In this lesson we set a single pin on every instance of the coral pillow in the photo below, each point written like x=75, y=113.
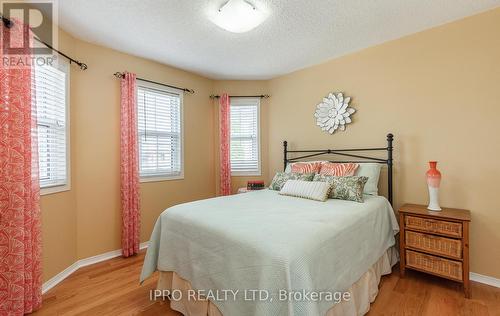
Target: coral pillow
x=306, y=167
x=338, y=169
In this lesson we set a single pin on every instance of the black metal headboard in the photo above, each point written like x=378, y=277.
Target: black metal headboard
x=347, y=153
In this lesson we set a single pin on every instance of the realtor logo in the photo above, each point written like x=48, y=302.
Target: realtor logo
x=40, y=16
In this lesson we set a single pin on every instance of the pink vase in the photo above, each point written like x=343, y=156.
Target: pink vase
x=433, y=183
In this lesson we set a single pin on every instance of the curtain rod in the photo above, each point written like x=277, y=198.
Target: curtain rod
x=8, y=24
x=262, y=96
x=83, y=66
x=191, y=91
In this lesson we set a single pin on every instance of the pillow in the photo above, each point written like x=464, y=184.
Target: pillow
x=345, y=188
x=281, y=177
x=289, y=165
x=338, y=169
x=317, y=191
x=370, y=170
x=306, y=167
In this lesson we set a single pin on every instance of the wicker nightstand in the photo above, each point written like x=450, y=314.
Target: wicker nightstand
x=435, y=242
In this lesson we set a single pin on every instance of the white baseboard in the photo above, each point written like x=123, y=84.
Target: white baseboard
x=484, y=279
x=83, y=263
x=59, y=277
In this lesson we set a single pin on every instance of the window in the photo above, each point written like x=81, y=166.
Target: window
x=50, y=94
x=159, y=113
x=245, y=138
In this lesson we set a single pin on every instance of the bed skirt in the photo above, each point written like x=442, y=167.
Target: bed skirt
x=363, y=292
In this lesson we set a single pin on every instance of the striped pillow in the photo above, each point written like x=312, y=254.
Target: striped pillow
x=338, y=169
x=306, y=167
x=317, y=191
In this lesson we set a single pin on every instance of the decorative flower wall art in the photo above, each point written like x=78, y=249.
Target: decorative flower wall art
x=334, y=113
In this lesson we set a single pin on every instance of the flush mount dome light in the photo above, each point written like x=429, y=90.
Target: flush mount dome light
x=238, y=16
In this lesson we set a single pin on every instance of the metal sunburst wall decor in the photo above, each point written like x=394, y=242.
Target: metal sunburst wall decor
x=334, y=113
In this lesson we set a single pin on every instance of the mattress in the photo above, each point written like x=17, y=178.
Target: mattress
x=265, y=241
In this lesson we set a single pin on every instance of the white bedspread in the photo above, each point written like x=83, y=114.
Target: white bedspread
x=262, y=240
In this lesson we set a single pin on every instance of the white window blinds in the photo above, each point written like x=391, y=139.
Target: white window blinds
x=245, y=144
x=49, y=93
x=159, y=132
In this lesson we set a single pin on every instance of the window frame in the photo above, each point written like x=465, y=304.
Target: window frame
x=64, y=66
x=161, y=88
x=234, y=101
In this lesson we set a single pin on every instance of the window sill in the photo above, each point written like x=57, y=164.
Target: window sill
x=55, y=189
x=161, y=178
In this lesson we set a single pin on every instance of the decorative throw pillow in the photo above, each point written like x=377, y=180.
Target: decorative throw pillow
x=338, y=169
x=306, y=167
x=372, y=171
x=281, y=177
x=317, y=191
x=289, y=165
x=345, y=188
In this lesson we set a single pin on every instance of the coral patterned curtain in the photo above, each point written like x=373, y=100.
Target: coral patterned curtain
x=129, y=166
x=224, y=135
x=20, y=236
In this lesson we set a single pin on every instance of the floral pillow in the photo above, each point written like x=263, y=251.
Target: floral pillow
x=338, y=169
x=306, y=167
x=281, y=178
x=345, y=188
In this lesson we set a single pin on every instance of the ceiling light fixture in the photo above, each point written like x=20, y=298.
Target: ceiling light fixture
x=238, y=16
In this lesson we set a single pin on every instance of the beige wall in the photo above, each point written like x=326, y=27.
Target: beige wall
x=438, y=92
x=98, y=144
x=86, y=220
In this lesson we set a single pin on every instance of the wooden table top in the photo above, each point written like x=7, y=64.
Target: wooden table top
x=445, y=213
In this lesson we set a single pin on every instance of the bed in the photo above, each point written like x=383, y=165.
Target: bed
x=262, y=253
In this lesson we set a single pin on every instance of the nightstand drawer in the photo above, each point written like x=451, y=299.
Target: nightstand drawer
x=435, y=244
x=452, y=229
x=436, y=265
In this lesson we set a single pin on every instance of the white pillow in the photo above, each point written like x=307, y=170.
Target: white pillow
x=372, y=171
x=313, y=190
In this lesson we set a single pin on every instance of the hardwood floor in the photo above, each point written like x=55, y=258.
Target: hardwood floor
x=112, y=288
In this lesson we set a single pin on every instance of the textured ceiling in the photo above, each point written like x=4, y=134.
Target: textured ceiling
x=296, y=34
